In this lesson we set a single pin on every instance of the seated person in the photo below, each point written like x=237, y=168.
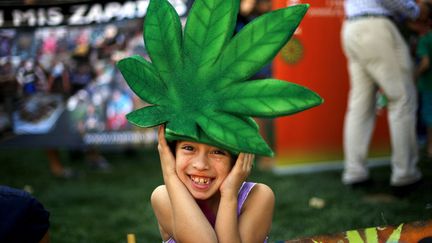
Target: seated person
x=23, y=219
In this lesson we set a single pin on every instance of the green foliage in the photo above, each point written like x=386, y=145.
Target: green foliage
x=195, y=82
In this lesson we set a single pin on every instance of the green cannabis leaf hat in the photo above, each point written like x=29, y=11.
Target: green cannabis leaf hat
x=197, y=80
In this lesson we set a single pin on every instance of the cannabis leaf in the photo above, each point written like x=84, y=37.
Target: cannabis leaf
x=195, y=81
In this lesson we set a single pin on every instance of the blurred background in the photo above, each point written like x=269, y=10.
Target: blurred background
x=64, y=137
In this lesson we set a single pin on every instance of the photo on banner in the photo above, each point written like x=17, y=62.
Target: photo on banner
x=58, y=76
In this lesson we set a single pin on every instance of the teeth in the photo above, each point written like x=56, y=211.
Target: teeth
x=200, y=180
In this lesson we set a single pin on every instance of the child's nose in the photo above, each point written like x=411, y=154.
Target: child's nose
x=200, y=162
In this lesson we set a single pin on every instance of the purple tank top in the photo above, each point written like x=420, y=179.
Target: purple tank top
x=242, y=196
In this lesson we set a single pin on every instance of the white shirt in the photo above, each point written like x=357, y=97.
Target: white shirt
x=395, y=8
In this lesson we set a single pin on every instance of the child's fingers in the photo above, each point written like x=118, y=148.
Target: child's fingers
x=248, y=162
x=245, y=161
x=167, y=158
x=240, y=161
x=240, y=158
x=163, y=145
x=161, y=135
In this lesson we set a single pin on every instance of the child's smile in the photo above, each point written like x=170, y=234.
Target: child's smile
x=201, y=180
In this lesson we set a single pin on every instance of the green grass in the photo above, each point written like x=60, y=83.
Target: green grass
x=104, y=207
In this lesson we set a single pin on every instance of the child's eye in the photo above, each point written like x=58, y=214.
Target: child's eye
x=187, y=147
x=220, y=152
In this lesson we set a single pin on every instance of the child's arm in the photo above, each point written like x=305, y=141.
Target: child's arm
x=177, y=212
x=254, y=223
x=257, y=214
x=422, y=66
x=227, y=225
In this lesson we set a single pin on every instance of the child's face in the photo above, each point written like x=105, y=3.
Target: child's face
x=202, y=168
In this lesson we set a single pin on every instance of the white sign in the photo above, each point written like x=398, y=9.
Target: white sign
x=80, y=14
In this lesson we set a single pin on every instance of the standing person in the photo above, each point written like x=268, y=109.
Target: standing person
x=244, y=15
x=378, y=58
x=424, y=76
x=195, y=85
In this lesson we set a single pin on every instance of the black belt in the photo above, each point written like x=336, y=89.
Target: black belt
x=363, y=16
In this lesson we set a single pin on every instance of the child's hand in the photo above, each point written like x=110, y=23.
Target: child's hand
x=238, y=175
x=166, y=157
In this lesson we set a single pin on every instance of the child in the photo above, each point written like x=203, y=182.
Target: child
x=199, y=201
x=196, y=85
x=424, y=76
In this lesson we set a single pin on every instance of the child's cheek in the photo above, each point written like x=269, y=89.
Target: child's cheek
x=180, y=165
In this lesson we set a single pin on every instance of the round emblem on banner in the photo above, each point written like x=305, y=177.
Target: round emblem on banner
x=292, y=52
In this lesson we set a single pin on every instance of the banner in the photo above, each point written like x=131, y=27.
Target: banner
x=314, y=58
x=85, y=13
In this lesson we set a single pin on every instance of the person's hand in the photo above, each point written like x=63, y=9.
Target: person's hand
x=237, y=175
x=166, y=156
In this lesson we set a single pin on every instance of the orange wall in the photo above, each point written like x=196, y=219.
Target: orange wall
x=316, y=134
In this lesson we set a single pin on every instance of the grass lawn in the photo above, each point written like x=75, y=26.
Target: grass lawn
x=104, y=207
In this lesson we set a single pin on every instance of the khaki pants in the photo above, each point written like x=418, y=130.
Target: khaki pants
x=378, y=57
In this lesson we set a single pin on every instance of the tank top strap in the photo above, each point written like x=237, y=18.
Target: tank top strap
x=243, y=194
